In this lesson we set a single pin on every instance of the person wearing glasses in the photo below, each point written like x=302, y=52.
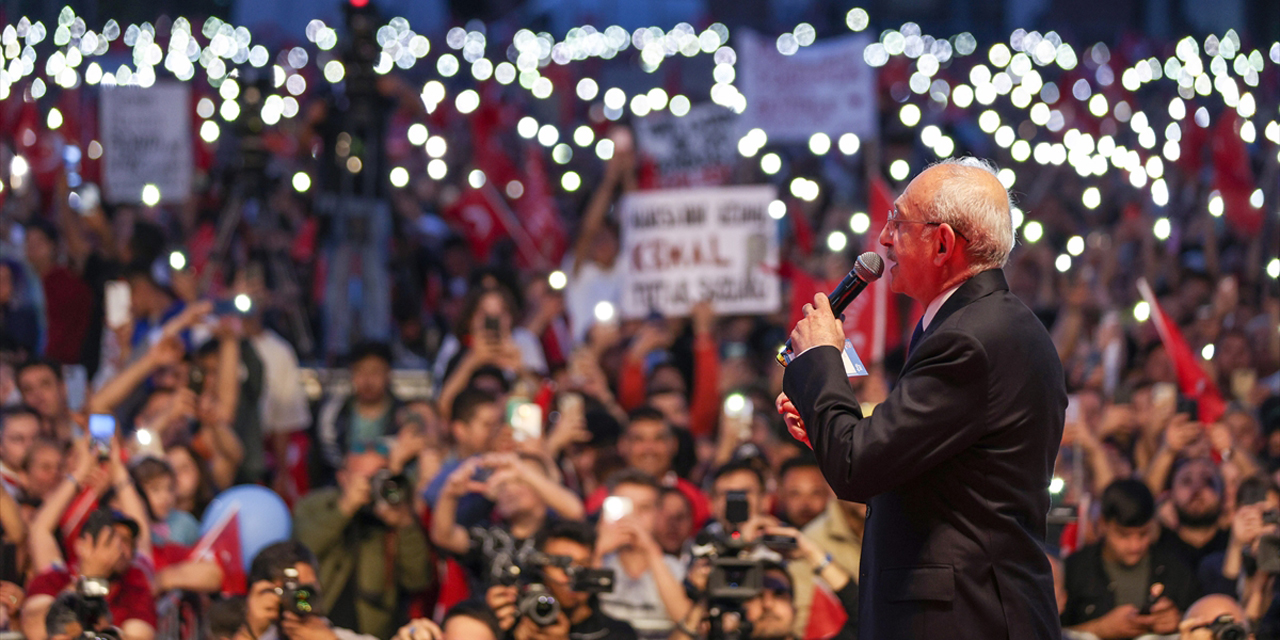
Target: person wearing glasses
x=955, y=464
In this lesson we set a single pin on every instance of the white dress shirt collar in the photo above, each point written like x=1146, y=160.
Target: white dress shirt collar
x=932, y=310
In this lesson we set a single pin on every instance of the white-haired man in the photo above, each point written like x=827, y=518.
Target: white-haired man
x=955, y=464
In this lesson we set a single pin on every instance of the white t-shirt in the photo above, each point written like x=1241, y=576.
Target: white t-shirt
x=591, y=286
x=636, y=600
x=284, y=401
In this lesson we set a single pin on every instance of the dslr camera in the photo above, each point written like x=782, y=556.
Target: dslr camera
x=390, y=489
x=295, y=597
x=88, y=606
x=1226, y=628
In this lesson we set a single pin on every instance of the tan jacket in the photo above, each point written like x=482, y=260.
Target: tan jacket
x=832, y=533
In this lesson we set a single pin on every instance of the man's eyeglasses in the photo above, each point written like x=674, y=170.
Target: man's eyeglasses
x=893, y=222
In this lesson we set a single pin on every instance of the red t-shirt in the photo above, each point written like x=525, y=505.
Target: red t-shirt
x=129, y=596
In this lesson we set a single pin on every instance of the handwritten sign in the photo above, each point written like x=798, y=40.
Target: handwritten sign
x=146, y=139
x=697, y=149
x=680, y=247
x=826, y=87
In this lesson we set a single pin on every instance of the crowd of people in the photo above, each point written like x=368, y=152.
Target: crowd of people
x=606, y=464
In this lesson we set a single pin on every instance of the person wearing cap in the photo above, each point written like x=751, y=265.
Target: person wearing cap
x=104, y=568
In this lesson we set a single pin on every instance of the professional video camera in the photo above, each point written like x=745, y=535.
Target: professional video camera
x=735, y=576
x=513, y=565
x=296, y=597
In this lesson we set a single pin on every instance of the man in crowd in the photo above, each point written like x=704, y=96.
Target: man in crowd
x=1125, y=586
x=367, y=414
x=838, y=531
x=475, y=420
x=42, y=388
x=104, y=567
x=568, y=546
x=803, y=493
x=1198, y=501
x=371, y=549
x=19, y=427
x=647, y=590
x=649, y=444
x=278, y=571
x=64, y=292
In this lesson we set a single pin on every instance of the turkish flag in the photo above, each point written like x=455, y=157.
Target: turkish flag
x=539, y=216
x=1192, y=380
x=1233, y=178
x=222, y=544
x=827, y=616
x=476, y=213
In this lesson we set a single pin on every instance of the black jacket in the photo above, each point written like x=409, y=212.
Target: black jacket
x=955, y=467
x=1089, y=593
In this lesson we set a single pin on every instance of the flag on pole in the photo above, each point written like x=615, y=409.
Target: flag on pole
x=1193, y=382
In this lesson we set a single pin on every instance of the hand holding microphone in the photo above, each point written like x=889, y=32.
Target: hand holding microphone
x=820, y=324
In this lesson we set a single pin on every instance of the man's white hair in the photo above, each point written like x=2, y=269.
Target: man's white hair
x=968, y=207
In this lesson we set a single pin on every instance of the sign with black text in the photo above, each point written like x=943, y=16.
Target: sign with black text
x=697, y=149
x=682, y=246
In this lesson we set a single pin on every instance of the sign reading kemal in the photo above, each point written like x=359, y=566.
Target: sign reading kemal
x=697, y=149
x=825, y=87
x=146, y=139
x=682, y=246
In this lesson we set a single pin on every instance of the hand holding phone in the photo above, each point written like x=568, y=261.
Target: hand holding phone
x=102, y=428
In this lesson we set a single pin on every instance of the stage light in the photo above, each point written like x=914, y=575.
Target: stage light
x=1162, y=229
x=301, y=182
x=771, y=163
x=1273, y=268
x=837, y=241
x=1091, y=197
x=1216, y=206
x=399, y=177
x=150, y=195
x=570, y=181
x=604, y=311
x=1075, y=245
x=859, y=222
x=1063, y=263
x=899, y=170
x=1207, y=352
x=476, y=179
x=819, y=143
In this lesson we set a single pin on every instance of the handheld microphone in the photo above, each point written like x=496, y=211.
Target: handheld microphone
x=866, y=269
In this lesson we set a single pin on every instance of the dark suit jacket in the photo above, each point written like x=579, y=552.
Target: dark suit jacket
x=955, y=467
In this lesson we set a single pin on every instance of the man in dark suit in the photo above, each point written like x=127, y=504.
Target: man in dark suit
x=955, y=464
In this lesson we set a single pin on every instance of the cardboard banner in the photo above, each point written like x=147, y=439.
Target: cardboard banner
x=826, y=87
x=694, y=150
x=680, y=247
x=146, y=139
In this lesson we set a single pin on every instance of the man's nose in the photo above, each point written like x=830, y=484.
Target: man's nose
x=886, y=238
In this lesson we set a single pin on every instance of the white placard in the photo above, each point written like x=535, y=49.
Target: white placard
x=146, y=139
x=825, y=87
x=697, y=149
x=681, y=246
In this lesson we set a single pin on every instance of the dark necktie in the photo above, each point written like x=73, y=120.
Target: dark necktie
x=915, y=336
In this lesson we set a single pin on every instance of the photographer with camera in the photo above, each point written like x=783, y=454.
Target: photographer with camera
x=1215, y=617
x=561, y=603
x=73, y=616
x=372, y=550
x=284, y=596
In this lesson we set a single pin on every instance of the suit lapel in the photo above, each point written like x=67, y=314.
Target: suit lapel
x=979, y=286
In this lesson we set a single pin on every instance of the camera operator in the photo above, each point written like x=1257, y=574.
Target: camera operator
x=1215, y=617
x=525, y=495
x=771, y=613
x=566, y=551
x=371, y=549
x=283, y=592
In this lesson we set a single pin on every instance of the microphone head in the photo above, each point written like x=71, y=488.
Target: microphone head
x=869, y=266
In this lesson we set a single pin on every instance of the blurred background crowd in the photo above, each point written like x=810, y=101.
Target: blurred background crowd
x=390, y=326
